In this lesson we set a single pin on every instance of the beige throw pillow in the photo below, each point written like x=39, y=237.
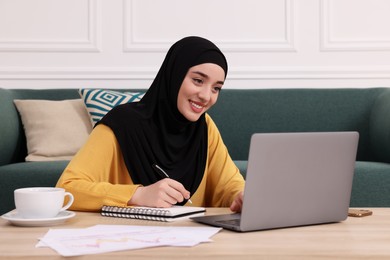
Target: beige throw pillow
x=55, y=130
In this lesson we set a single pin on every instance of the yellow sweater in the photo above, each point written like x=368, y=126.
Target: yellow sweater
x=98, y=176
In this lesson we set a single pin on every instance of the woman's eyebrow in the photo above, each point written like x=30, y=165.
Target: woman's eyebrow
x=206, y=76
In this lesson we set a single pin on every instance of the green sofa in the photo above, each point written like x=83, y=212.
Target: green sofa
x=238, y=113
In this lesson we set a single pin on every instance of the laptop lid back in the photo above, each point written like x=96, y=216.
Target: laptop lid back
x=296, y=179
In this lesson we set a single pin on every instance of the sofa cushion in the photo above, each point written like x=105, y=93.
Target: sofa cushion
x=371, y=185
x=55, y=130
x=100, y=101
x=379, y=128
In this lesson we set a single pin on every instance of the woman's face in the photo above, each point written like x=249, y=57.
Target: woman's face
x=199, y=90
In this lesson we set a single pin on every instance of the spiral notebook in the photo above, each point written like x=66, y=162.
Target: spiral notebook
x=157, y=214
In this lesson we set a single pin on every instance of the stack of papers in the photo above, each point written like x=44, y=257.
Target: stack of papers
x=107, y=238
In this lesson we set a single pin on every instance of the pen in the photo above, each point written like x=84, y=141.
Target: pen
x=163, y=174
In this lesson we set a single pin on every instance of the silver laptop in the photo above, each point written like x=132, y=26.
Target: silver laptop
x=294, y=179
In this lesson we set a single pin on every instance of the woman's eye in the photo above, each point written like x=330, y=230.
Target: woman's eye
x=198, y=81
x=217, y=89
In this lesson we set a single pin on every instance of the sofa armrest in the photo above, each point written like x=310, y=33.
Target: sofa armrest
x=11, y=130
x=380, y=128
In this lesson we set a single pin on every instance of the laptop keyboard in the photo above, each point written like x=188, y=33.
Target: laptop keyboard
x=232, y=222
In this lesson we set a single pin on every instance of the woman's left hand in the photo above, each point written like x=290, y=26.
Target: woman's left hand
x=237, y=203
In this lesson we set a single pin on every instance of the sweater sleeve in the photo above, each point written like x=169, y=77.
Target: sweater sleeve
x=97, y=175
x=224, y=180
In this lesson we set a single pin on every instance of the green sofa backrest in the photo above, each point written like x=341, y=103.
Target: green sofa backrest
x=241, y=112
x=12, y=139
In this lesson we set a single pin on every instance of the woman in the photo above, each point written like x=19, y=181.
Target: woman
x=169, y=128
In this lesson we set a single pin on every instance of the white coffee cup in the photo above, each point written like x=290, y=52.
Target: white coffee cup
x=41, y=202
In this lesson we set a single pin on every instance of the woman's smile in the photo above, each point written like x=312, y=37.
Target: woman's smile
x=196, y=106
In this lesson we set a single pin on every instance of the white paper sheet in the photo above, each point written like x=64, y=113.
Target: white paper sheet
x=108, y=238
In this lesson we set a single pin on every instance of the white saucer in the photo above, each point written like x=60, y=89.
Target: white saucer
x=17, y=220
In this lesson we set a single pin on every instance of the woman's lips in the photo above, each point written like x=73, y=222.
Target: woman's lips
x=196, y=106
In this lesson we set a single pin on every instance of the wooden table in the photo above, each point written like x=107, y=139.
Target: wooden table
x=367, y=237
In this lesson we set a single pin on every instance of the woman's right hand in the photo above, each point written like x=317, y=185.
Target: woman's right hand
x=162, y=194
x=236, y=206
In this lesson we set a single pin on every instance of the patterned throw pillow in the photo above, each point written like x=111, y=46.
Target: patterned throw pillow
x=99, y=101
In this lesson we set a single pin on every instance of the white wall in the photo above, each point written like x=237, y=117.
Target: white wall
x=121, y=43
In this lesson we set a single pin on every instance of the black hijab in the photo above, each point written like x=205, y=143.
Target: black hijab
x=153, y=131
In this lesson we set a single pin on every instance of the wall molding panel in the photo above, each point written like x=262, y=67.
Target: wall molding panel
x=362, y=41
x=136, y=43
x=122, y=43
x=90, y=42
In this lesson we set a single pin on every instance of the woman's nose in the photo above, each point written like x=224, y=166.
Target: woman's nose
x=205, y=94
